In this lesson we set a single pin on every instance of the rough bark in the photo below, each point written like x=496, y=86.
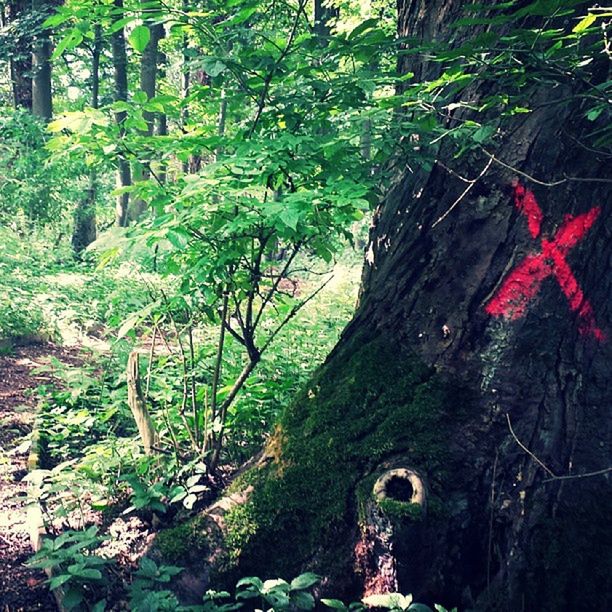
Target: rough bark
x=503, y=420
x=124, y=176
x=20, y=63
x=42, y=98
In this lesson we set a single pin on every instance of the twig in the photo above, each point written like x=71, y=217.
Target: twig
x=465, y=192
x=292, y=314
x=553, y=476
x=544, y=183
x=536, y=459
x=585, y=475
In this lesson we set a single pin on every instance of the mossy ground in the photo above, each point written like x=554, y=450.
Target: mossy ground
x=371, y=402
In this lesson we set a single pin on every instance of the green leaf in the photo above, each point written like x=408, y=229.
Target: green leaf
x=303, y=600
x=87, y=573
x=189, y=501
x=368, y=24
x=148, y=567
x=70, y=41
x=128, y=325
x=336, y=604
x=56, y=20
x=290, y=217
x=139, y=38
x=73, y=598
x=59, y=580
x=304, y=581
x=389, y=601
x=585, y=23
x=250, y=581
x=100, y=606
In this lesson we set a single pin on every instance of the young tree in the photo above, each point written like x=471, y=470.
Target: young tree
x=456, y=441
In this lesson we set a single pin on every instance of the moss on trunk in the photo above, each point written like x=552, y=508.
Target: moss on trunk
x=370, y=403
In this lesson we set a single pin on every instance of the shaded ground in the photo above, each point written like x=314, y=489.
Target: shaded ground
x=21, y=589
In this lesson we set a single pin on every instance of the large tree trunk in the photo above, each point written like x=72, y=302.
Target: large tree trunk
x=456, y=443
x=42, y=98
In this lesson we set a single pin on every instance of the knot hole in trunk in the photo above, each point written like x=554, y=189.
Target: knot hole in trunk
x=400, y=488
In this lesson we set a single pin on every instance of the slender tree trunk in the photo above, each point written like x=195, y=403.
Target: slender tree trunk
x=456, y=443
x=42, y=99
x=322, y=15
x=162, y=121
x=185, y=83
x=148, y=83
x=20, y=63
x=84, y=232
x=124, y=176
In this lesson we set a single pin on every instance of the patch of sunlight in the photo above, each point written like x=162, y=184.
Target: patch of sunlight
x=65, y=279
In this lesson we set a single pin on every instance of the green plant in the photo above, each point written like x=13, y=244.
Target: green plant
x=147, y=592
x=74, y=567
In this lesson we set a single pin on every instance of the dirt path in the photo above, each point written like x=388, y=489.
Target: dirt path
x=21, y=589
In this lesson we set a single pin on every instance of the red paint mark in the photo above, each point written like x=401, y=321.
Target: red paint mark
x=523, y=283
x=525, y=201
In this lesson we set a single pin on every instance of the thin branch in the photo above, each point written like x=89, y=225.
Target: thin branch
x=552, y=475
x=544, y=183
x=465, y=192
x=281, y=275
x=268, y=80
x=219, y=360
x=585, y=475
x=150, y=364
x=534, y=457
x=292, y=314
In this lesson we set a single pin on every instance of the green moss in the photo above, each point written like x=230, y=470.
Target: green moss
x=186, y=541
x=241, y=525
x=371, y=402
x=395, y=509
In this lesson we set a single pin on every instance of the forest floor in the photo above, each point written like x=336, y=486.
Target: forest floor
x=21, y=588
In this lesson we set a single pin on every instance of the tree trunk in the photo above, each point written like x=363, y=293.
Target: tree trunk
x=84, y=232
x=42, y=99
x=20, y=63
x=124, y=177
x=149, y=63
x=456, y=443
x=322, y=15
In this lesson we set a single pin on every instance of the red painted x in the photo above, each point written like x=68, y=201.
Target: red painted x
x=524, y=281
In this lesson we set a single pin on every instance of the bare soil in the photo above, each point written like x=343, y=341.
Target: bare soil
x=21, y=588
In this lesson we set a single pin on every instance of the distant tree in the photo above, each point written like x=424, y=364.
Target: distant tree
x=84, y=232
x=120, y=66
x=42, y=97
x=17, y=44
